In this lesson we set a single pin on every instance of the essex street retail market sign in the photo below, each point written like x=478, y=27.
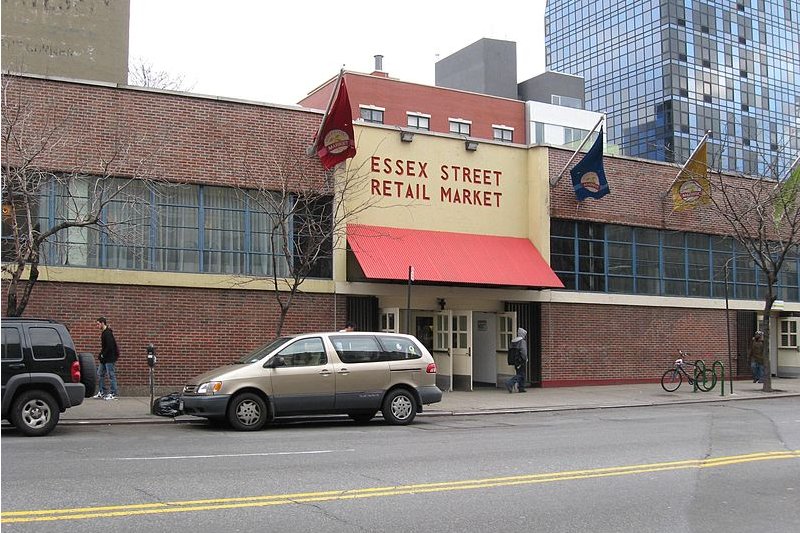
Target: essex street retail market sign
x=447, y=183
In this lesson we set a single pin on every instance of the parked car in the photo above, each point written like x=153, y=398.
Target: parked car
x=355, y=373
x=42, y=373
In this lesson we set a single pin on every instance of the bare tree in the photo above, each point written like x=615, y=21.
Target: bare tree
x=306, y=220
x=763, y=217
x=96, y=195
x=142, y=73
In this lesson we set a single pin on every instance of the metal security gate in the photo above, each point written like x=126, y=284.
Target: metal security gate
x=529, y=318
x=364, y=312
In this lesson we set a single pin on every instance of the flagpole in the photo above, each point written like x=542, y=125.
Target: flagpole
x=334, y=92
x=696, y=148
x=791, y=168
x=571, y=159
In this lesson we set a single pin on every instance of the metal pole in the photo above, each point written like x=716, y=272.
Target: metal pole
x=728, y=327
x=571, y=159
x=408, y=300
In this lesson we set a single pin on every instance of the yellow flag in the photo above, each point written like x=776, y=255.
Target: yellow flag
x=692, y=187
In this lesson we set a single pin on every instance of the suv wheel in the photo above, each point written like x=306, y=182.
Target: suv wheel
x=399, y=407
x=35, y=413
x=247, y=412
x=88, y=374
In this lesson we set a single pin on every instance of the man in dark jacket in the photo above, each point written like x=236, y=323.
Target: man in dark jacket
x=109, y=352
x=757, y=357
x=517, y=382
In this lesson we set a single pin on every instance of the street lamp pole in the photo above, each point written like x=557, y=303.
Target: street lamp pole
x=728, y=326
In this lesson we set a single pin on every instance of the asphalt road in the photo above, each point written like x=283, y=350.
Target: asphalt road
x=730, y=466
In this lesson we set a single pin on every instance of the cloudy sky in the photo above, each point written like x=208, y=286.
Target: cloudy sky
x=279, y=51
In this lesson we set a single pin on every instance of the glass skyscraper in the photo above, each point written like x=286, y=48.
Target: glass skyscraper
x=666, y=71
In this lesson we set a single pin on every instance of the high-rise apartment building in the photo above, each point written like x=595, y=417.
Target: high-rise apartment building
x=666, y=71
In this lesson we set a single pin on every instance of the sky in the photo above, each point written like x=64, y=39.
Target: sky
x=277, y=52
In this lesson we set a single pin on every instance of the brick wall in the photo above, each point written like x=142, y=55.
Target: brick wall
x=173, y=137
x=639, y=197
x=193, y=330
x=596, y=344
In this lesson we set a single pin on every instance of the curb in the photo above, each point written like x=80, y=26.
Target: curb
x=188, y=419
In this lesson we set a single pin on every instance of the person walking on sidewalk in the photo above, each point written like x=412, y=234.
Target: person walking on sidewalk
x=757, y=357
x=109, y=353
x=518, y=356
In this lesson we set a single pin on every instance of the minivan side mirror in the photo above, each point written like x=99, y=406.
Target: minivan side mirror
x=275, y=362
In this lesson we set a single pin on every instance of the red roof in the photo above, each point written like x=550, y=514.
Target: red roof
x=440, y=256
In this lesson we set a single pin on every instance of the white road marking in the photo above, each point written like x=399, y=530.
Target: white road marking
x=265, y=454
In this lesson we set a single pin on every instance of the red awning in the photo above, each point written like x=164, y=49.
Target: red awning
x=445, y=257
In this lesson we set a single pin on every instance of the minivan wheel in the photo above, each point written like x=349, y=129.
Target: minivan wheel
x=35, y=413
x=399, y=407
x=247, y=412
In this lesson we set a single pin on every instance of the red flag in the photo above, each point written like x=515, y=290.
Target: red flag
x=336, y=141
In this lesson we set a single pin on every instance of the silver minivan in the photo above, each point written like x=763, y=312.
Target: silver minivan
x=353, y=373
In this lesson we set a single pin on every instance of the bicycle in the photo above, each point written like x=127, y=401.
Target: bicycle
x=703, y=378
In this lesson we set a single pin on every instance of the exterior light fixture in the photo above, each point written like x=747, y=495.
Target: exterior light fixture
x=406, y=136
x=441, y=303
x=471, y=145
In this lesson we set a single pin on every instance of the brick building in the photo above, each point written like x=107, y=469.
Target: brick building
x=196, y=285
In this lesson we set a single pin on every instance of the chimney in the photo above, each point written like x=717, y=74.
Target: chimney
x=379, y=67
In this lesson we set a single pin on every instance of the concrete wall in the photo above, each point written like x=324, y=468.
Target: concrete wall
x=487, y=66
x=84, y=40
x=540, y=88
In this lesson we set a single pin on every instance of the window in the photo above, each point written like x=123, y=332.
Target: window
x=788, y=337
x=46, y=343
x=389, y=321
x=398, y=348
x=566, y=101
x=419, y=121
x=459, y=331
x=372, y=114
x=505, y=331
x=357, y=349
x=440, y=340
x=12, y=347
x=503, y=133
x=460, y=126
x=183, y=228
x=631, y=260
x=305, y=352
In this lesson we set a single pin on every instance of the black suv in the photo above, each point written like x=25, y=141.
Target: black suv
x=42, y=374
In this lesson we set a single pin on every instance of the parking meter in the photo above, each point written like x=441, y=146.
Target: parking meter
x=151, y=363
x=151, y=356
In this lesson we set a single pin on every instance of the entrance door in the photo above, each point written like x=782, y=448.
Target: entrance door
x=423, y=330
x=484, y=356
x=461, y=349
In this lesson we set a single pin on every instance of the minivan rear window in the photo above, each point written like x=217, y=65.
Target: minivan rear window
x=399, y=348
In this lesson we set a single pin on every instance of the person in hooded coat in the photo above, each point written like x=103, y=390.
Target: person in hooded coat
x=517, y=382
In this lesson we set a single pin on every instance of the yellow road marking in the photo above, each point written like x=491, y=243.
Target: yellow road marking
x=80, y=513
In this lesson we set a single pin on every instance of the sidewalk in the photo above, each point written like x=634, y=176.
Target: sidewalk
x=136, y=410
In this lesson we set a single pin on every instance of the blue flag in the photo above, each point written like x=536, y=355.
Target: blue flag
x=588, y=176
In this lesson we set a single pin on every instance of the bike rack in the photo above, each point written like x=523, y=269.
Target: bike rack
x=700, y=369
x=722, y=374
